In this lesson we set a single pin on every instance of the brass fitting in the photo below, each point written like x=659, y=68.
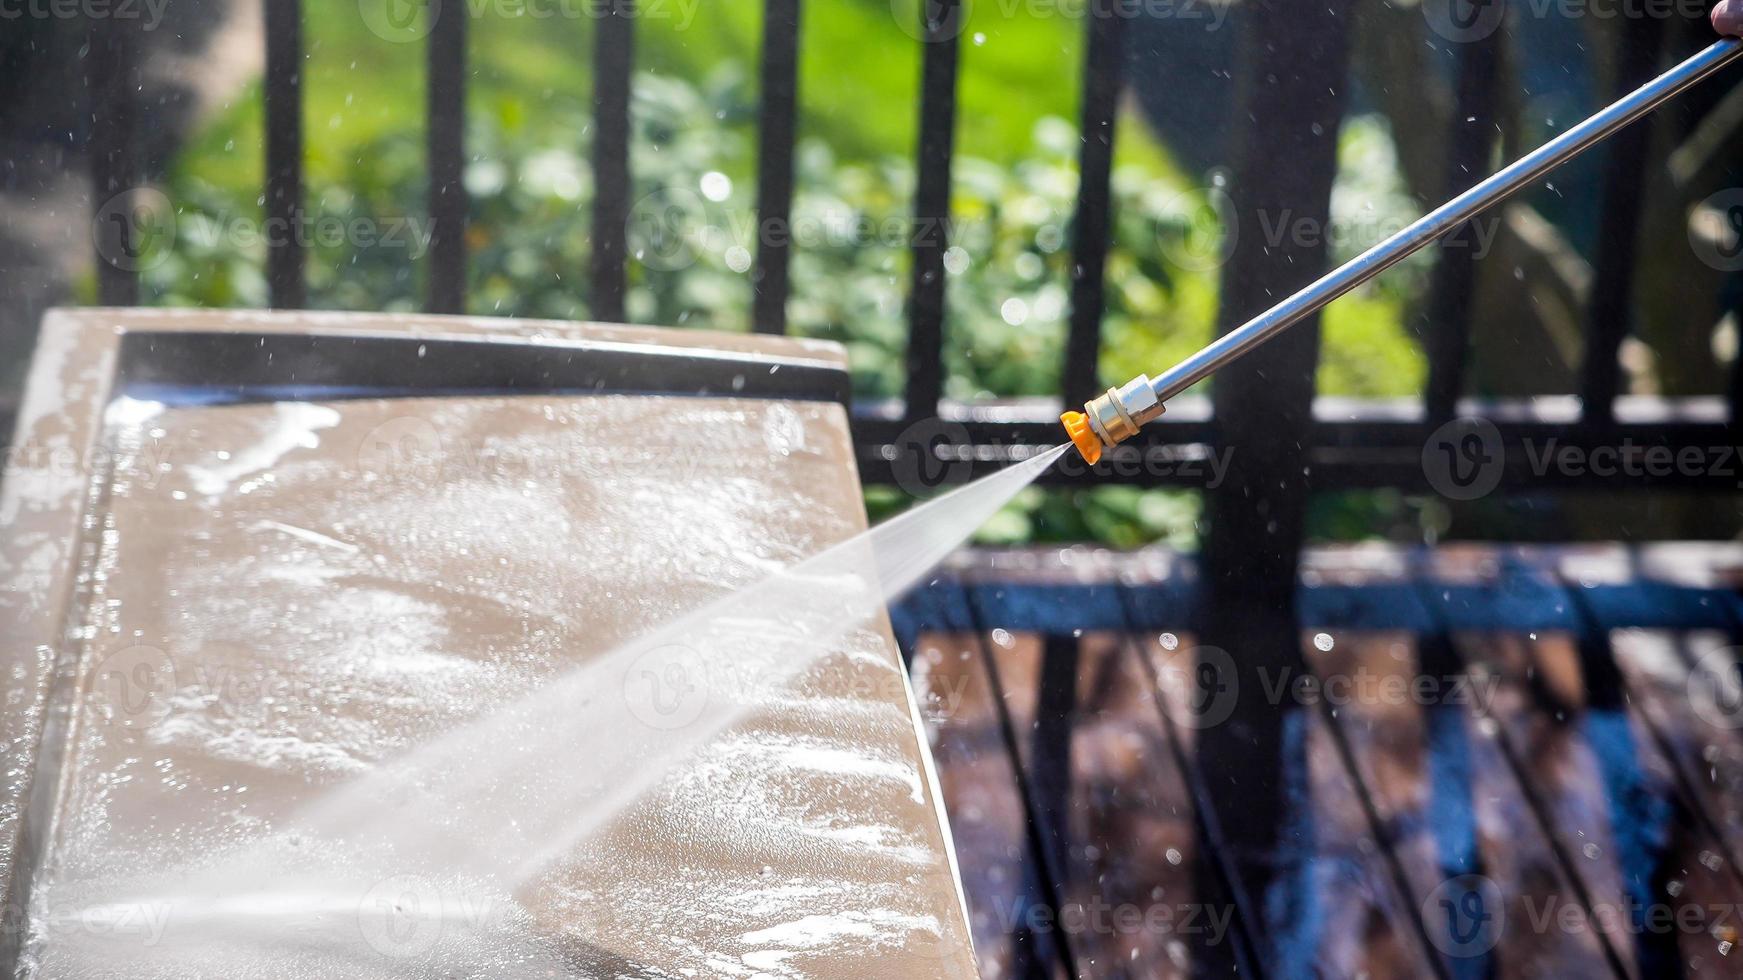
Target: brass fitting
x=1113, y=418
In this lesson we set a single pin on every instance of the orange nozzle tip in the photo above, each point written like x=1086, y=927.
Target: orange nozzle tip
x=1082, y=436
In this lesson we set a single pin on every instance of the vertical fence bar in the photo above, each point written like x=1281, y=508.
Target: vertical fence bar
x=780, y=92
x=285, y=257
x=1452, y=287
x=1610, y=306
x=446, y=131
x=613, y=60
x=112, y=81
x=1295, y=62
x=1104, y=72
x=941, y=24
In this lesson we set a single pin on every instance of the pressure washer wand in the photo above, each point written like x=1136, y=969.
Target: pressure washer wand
x=1116, y=416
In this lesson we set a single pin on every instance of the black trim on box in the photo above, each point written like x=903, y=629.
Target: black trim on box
x=266, y=367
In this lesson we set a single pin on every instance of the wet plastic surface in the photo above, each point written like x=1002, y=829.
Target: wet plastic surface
x=284, y=595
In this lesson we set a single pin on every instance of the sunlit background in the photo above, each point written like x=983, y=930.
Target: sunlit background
x=694, y=108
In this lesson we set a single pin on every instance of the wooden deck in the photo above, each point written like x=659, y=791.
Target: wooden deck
x=1493, y=762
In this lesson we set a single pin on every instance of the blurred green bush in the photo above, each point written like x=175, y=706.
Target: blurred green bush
x=694, y=239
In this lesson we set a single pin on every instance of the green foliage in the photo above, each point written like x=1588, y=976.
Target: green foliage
x=693, y=231
x=694, y=234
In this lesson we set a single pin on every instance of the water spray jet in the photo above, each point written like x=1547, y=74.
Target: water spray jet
x=1116, y=416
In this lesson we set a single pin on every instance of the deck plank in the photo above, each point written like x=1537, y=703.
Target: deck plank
x=1684, y=687
x=1333, y=908
x=1442, y=788
x=1569, y=767
x=1447, y=803
x=1643, y=859
x=1683, y=680
x=1353, y=921
x=1611, y=799
x=978, y=781
x=1123, y=821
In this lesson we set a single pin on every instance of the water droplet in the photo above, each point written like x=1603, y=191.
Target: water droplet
x=955, y=260
x=716, y=186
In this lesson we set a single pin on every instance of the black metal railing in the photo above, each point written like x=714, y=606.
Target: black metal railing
x=1348, y=444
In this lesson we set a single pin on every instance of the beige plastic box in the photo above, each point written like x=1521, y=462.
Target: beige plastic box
x=250, y=557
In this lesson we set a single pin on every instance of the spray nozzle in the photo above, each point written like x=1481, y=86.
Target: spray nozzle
x=1113, y=418
x=1086, y=441
x=1116, y=416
